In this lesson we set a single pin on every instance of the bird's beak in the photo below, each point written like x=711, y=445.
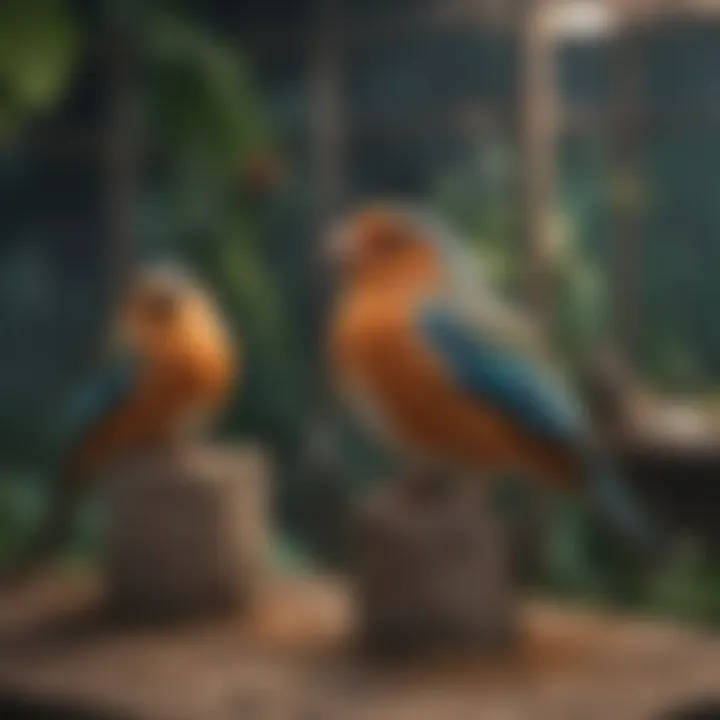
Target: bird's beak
x=121, y=339
x=339, y=252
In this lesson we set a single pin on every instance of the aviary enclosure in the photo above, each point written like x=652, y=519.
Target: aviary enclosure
x=572, y=144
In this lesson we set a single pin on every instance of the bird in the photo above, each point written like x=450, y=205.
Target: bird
x=171, y=368
x=448, y=374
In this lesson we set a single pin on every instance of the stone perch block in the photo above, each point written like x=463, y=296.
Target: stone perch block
x=187, y=531
x=433, y=570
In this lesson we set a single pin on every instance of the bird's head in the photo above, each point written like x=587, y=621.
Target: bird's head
x=164, y=311
x=384, y=244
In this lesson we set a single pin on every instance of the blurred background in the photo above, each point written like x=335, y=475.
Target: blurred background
x=573, y=143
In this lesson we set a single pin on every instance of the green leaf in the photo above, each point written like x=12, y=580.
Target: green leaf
x=40, y=42
x=201, y=98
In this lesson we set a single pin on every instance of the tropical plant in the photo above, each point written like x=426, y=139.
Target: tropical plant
x=40, y=45
x=200, y=129
x=479, y=198
x=205, y=132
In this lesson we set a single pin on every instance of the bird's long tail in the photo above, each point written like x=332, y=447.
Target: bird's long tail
x=614, y=500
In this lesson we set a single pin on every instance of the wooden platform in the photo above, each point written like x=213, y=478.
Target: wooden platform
x=294, y=660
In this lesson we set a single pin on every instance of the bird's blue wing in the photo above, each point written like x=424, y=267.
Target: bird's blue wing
x=98, y=397
x=507, y=380
x=535, y=401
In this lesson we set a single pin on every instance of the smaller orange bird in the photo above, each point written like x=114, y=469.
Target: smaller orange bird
x=448, y=374
x=173, y=367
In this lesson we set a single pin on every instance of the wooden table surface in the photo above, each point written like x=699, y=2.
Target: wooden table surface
x=293, y=659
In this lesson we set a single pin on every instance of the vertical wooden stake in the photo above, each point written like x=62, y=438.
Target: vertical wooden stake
x=538, y=147
x=328, y=121
x=120, y=150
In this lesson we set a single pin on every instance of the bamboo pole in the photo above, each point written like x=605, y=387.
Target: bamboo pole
x=328, y=165
x=625, y=192
x=538, y=146
x=119, y=151
x=328, y=120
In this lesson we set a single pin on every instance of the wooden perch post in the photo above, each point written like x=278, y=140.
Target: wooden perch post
x=433, y=570
x=188, y=531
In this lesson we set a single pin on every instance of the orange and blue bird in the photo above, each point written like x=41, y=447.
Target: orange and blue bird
x=448, y=374
x=172, y=367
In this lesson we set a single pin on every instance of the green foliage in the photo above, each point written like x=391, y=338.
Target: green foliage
x=19, y=502
x=248, y=282
x=250, y=295
x=582, y=560
x=580, y=302
x=289, y=557
x=201, y=123
x=200, y=99
x=480, y=199
x=40, y=43
x=22, y=496
x=681, y=225
x=585, y=559
x=204, y=124
x=675, y=365
x=689, y=587
x=477, y=197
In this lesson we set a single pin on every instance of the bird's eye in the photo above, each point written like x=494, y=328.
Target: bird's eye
x=161, y=307
x=388, y=242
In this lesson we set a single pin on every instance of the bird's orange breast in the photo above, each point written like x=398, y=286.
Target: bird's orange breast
x=197, y=376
